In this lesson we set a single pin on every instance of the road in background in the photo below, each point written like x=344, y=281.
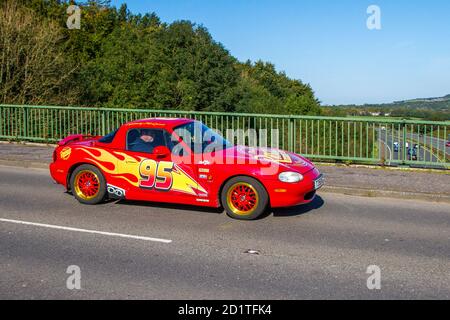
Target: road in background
x=438, y=145
x=433, y=141
x=317, y=251
x=387, y=138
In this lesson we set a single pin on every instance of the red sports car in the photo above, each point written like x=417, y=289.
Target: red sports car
x=182, y=161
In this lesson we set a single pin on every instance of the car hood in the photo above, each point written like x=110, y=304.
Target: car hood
x=262, y=156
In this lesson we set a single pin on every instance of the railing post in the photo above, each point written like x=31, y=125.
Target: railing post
x=405, y=152
x=290, y=135
x=1, y=121
x=25, y=122
x=103, y=123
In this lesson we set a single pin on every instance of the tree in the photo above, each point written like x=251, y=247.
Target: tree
x=120, y=59
x=33, y=68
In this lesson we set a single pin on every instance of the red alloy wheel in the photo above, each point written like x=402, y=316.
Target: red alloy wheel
x=242, y=198
x=87, y=184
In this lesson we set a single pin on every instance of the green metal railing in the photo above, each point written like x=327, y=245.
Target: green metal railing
x=348, y=139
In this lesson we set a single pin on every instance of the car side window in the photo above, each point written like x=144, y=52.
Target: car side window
x=146, y=140
x=109, y=137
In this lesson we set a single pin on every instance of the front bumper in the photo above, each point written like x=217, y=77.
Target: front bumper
x=288, y=195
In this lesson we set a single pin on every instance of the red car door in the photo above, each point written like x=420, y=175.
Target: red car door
x=159, y=178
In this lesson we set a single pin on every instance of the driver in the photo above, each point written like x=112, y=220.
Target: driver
x=144, y=143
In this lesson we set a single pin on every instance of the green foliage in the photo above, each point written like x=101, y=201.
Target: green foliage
x=262, y=89
x=33, y=67
x=119, y=59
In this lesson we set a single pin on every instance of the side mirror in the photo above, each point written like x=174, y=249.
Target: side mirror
x=161, y=152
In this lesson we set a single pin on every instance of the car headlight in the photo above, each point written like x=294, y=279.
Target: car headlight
x=290, y=177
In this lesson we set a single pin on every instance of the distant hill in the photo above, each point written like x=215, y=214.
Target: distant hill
x=439, y=103
x=424, y=100
x=437, y=108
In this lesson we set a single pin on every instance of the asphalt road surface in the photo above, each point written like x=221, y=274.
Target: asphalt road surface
x=321, y=250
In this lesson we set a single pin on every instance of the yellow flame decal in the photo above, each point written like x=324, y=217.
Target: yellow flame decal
x=121, y=167
x=182, y=182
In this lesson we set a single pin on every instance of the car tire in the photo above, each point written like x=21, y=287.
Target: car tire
x=88, y=184
x=244, y=198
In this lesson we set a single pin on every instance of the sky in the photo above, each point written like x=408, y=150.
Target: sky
x=327, y=43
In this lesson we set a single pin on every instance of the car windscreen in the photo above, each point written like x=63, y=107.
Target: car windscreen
x=200, y=138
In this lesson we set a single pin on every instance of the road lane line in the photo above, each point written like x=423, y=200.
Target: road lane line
x=111, y=234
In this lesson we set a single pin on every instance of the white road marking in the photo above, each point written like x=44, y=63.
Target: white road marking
x=111, y=234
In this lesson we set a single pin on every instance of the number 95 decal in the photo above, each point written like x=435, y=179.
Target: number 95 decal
x=156, y=175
